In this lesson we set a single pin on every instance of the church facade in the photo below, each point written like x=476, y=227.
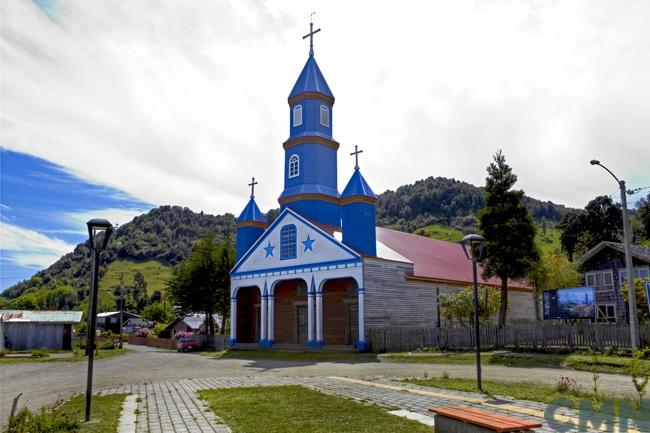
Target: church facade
x=322, y=272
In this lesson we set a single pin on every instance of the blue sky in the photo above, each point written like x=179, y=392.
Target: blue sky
x=43, y=209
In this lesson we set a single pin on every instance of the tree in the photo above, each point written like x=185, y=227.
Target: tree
x=601, y=220
x=460, y=305
x=199, y=283
x=553, y=271
x=642, y=218
x=27, y=301
x=641, y=301
x=509, y=231
x=159, y=312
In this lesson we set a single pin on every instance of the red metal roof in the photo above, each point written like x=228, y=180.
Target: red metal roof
x=435, y=259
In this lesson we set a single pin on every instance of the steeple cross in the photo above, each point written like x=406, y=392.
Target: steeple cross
x=356, y=156
x=311, y=34
x=252, y=185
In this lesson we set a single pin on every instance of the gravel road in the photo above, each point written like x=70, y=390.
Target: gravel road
x=44, y=383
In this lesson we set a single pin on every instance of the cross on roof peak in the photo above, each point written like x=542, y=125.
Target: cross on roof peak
x=252, y=185
x=356, y=156
x=311, y=34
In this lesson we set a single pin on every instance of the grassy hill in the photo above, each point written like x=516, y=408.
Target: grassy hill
x=156, y=275
x=438, y=231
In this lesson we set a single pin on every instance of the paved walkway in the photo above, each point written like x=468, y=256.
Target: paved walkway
x=174, y=406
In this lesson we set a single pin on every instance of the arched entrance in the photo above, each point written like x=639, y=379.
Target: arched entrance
x=340, y=311
x=290, y=312
x=248, y=314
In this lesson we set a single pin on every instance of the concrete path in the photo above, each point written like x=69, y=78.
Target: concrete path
x=175, y=407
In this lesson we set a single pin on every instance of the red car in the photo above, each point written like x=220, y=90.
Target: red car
x=186, y=343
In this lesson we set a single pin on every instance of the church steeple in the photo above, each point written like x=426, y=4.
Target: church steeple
x=250, y=224
x=358, y=203
x=310, y=175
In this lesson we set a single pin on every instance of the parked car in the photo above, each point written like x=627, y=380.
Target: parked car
x=186, y=343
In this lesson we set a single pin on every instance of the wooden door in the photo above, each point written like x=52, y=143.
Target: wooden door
x=301, y=324
x=352, y=324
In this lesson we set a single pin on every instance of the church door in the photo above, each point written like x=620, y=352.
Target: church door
x=301, y=324
x=352, y=324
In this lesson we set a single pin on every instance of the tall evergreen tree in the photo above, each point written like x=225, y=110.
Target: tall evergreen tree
x=508, y=228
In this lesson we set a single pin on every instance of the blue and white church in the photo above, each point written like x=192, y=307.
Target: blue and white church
x=322, y=272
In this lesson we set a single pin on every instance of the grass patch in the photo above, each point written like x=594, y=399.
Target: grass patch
x=77, y=356
x=69, y=416
x=606, y=364
x=297, y=356
x=155, y=274
x=444, y=233
x=296, y=409
x=549, y=242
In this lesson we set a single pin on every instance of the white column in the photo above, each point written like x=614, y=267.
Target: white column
x=362, y=323
x=233, y=321
x=319, y=317
x=270, y=305
x=263, y=319
x=310, y=316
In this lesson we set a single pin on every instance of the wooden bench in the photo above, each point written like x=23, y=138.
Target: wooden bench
x=464, y=419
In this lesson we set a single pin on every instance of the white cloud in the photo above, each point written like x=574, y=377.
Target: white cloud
x=29, y=248
x=181, y=103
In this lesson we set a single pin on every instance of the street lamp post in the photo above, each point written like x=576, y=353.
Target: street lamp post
x=634, y=319
x=96, y=227
x=476, y=243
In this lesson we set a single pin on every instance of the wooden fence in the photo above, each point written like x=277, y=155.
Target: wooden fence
x=533, y=336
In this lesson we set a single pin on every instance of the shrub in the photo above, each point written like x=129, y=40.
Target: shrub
x=54, y=420
x=159, y=329
x=3, y=353
x=142, y=332
x=40, y=353
x=106, y=345
x=566, y=384
x=183, y=334
x=639, y=379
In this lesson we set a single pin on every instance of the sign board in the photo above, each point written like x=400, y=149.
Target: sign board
x=647, y=293
x=572, y=303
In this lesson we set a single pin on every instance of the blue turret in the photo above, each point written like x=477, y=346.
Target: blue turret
x=250, y=225
x=310, y=177
x=358, y=203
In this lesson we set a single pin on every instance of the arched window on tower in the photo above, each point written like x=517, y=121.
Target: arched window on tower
x=294, y=166
x=297, y=115
x=288, y=242
x=324, y=115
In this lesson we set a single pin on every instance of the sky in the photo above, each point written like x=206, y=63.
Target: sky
x=110, y=108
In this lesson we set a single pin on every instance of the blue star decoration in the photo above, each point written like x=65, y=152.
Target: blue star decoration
x=308, y=244
x=269, y=249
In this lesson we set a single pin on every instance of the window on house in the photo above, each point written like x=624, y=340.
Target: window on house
x=297, y=115
x=601, y=280
x=640, y=272
x=606, y=313
x=324, y=115
x=288, y=242
x=294, y=166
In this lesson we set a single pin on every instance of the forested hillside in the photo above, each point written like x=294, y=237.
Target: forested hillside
x=448, y=202
x=164, y=234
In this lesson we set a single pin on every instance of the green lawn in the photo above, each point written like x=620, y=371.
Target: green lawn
x=155, y=274
x=296, y=409
x=444, y=233
x=78, y=356
x=606, y=364
x=549, y=242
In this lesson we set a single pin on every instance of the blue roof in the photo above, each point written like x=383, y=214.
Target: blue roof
x=251, y=213
x=311, y=80
x=357, y=186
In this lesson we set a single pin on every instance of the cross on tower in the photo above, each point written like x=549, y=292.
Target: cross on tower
x=252, y=185
x=311, y=34
x=356, y=156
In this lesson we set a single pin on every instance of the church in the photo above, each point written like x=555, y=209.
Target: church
x=323, y=273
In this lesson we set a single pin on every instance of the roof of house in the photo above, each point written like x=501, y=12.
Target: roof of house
x=113, y=313
x=194, y=321
x=435, y=259
x=638, y=252
x=54, y=317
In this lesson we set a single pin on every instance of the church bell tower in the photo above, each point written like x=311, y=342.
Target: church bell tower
x=310, y=160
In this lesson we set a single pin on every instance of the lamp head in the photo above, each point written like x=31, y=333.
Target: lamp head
x=476, y=244
x=594, y=162
x=99, y=231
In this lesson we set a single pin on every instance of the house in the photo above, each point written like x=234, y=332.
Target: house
x=191, y=323
x=603, y=268
x=323, y=272
x=27, y=330
x=131, y=325
x=110, y=320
